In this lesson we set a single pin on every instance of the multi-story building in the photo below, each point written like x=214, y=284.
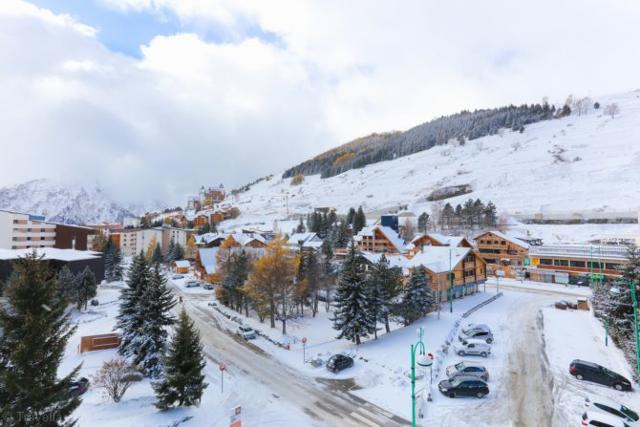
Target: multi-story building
x=25, y=231
x=379, y=238
x=576, y=263
x=74, y=237
x=502, y=252
x=134, y=240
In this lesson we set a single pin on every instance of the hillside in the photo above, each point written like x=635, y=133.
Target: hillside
x=71, y=204
x=587, y=162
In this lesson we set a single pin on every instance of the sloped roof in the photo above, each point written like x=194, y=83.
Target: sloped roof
x=507, y=237
x=394, y=260
x=438, y=258
x=49, y=254
x=245, y=238
x=309, y=240
x=388, y=232
x=208, y=259
x=182, y=263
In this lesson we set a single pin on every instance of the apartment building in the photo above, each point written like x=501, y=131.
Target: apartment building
x=134, y=240
x=25, y=231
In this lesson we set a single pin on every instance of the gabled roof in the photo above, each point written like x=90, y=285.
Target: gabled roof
x=388, y=232
x=244, y=239
x=507, y=237
x=309, y=240
x=394, y=260
x=208, y=259
x=443, y=239
x=182, y=263
x=438, y=258
x=207, y=238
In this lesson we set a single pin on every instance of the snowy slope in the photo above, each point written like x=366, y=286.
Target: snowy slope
x=576, y=164
x=63, y=203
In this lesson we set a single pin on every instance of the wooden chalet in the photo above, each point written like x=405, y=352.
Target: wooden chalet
x=502, y=252
x=379, y=238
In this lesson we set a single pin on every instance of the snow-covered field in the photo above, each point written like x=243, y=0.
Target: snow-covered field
x=137, y=407
x=578, y=164
x=573, y=335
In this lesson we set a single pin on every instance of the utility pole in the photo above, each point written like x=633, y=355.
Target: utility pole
x=450, y=284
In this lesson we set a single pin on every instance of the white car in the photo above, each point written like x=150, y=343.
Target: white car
x=599, y=419
x=192, y=284
x=611, y=407
x=246, y=332
x=472, y=348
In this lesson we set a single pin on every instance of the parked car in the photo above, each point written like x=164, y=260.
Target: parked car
x=339, y=362
x=246, y=332
x=212, y=304
x=464, y=386
x=479, y=331
x=593, y=372
x=599, y=419
x=177, y=277
x=469, y=369
x=77, y=388
x=208, y=286
x=192, y=284
x=472, y=348
x=613, y=408
x=562, y=305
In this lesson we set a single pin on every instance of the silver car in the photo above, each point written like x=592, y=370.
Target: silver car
x=468, y=369
x=473, y=348
x=480, y=332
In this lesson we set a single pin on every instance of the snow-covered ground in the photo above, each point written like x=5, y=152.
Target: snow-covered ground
x=575, y=334
x=137, y=408
x=574, y=165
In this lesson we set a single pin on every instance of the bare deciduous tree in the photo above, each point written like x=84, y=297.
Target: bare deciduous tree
x=581, y=106
x=115, y=377
x=612, y=110
x=408, y=230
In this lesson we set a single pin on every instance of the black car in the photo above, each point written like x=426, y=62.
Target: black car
x=76, y=388
x=338, y=362
x=593, y=372
x=464, y=386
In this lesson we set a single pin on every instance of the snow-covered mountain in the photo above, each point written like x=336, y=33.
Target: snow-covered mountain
x=580, y=163
x=73, y=204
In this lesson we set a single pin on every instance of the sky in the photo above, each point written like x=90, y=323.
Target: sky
x=153, y=98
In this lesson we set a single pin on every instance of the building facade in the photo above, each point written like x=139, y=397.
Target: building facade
x=73, y=237
x=25, y=231
x=502, y=252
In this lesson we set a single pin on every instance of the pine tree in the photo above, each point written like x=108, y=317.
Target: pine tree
x=490, y=215
x=418, y=297
x=352, y=316
x=359, y=221
x=301, y=228
x=35, y=332
x=85, y=287
x=155, y=306
x=66, y=284
x=171, y=256
x=182, y=381
x=117, y=265
x=130, y=316
x=157, y=257
x=351, y=216
x=109, y=254
x=178, y=252
x=385, y=282
x=328, y=275
x=423, y=222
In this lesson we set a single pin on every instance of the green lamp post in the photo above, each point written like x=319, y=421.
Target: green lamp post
x=423, y=361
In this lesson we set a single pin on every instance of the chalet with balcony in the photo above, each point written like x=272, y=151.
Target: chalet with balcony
x=456, y=270
x=502, y=252
x=436, y=239
x=379, y=238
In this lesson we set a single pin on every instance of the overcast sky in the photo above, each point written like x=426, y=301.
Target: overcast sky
x=153, y=98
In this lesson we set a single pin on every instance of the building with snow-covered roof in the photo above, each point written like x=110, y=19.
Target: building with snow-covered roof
x=307, y=240
x=373, y=258
x=454, y=269
x=437, y=239
x=502, y=251
x=379, y=238
x=576, y=263
x=180, y=266
x=75, y=260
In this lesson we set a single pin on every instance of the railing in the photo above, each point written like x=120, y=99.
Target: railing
x=586, y=251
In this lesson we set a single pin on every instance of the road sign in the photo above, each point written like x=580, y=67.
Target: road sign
x=304, y=340
x=236, y=417
x=500, y=273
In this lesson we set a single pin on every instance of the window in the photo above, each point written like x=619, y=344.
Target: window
x=596, y=264
x=611, y=266
x=15, y=221
x=42, y=230
x=503, y=242
x=29, y=238
x=577, y=264
x=561, y=262
x=546, y=261
x=42, y=238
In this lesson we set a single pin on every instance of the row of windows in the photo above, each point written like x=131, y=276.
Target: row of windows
x=579, y=264
x=492, y=242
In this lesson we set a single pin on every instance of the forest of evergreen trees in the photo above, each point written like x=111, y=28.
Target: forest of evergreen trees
x=471, y=214
x=461, y=126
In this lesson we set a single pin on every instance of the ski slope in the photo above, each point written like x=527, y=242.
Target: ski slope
x=577, y=164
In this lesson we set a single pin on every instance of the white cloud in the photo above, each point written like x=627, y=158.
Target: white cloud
x=193, y=112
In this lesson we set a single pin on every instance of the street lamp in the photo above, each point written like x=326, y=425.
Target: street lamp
x=419, y=346
x=616, y=290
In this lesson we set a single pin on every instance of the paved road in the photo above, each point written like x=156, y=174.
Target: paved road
x=328, y=406
x=550, y=292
